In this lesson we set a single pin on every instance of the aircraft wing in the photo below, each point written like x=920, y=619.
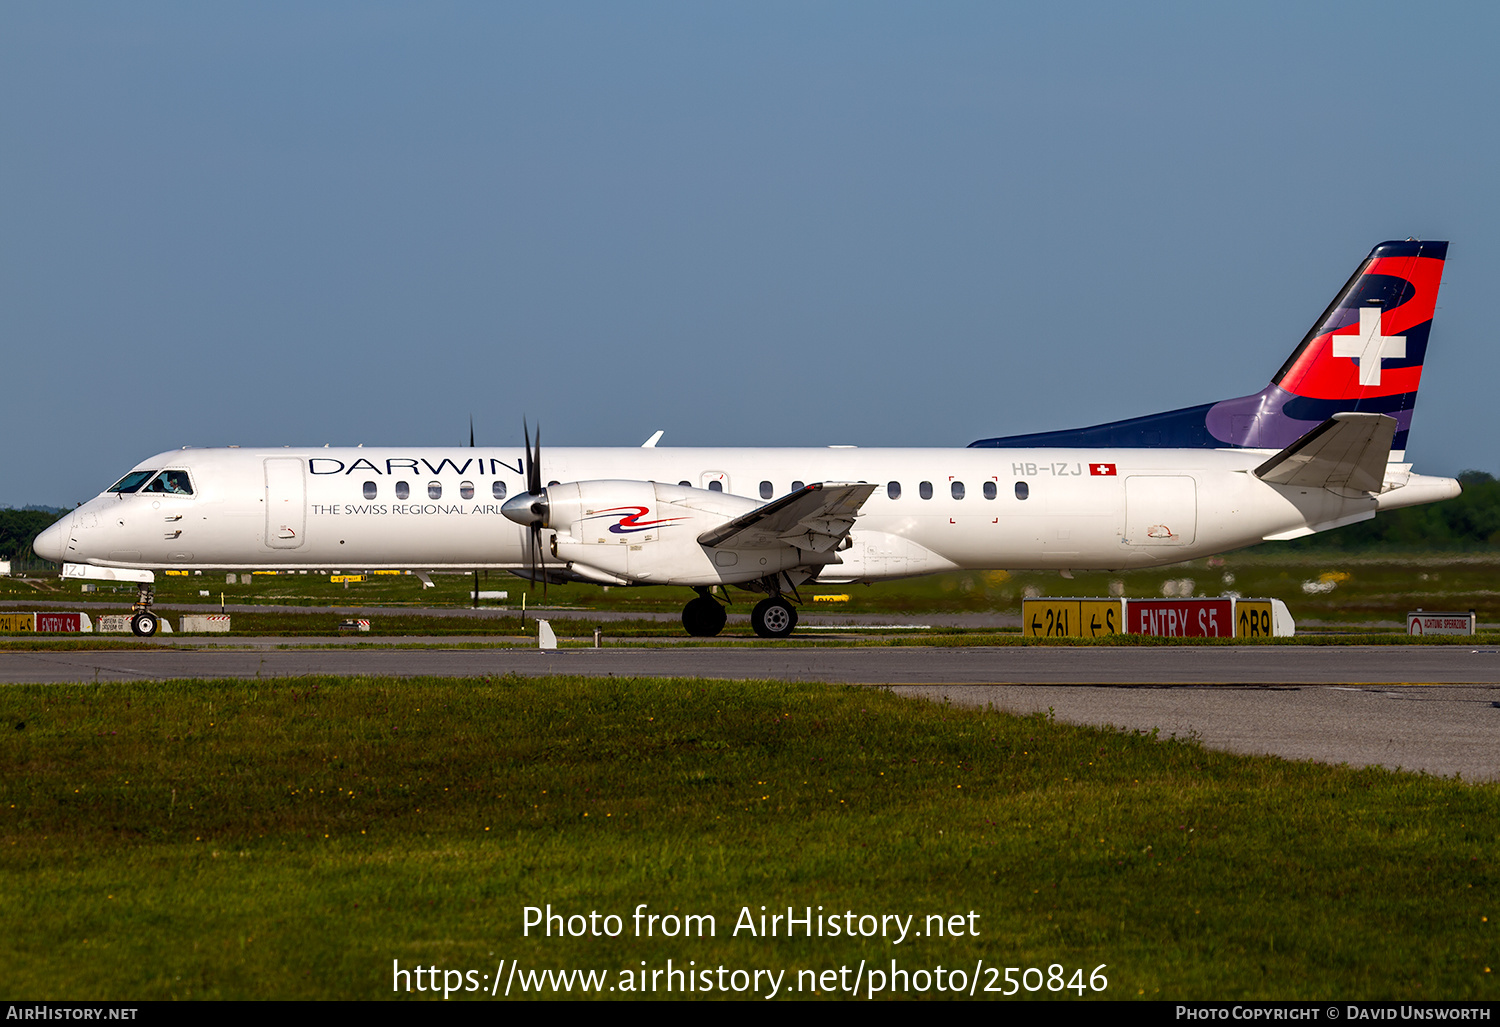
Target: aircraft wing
x=1347, y=451
x=817, y=518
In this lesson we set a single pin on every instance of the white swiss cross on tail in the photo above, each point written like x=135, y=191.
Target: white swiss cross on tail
x=1102, y=469
x=1369, y=347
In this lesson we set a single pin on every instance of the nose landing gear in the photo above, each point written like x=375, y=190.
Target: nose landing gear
x=143, y=622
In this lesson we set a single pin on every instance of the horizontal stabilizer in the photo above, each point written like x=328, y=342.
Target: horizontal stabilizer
x=817, y=518
x=1347, y=451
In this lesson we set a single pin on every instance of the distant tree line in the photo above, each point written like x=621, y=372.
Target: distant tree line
x=17, y=530
x=1471, y=521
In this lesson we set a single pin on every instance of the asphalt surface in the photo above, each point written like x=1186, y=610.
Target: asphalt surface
x=1429, y=708
x=811, y=616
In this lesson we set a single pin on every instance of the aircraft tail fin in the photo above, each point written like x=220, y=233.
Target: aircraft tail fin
x=1364, y=355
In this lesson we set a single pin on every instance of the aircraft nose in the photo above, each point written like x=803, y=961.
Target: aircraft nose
x=52, y=543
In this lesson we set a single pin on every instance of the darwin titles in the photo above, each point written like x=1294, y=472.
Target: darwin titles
x=482, y=466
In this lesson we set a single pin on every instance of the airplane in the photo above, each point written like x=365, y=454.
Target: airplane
x=1323, y=445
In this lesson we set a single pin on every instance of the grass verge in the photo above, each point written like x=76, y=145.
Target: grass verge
x=229, y=839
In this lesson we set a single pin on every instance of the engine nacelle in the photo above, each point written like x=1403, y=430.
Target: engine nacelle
x=642, y=532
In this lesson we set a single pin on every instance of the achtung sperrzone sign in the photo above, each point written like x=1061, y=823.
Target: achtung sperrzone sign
x=1165, y=618
x=1424, y=623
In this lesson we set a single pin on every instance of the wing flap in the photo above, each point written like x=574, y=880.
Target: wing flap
x=817, y=517
x=1348, y=451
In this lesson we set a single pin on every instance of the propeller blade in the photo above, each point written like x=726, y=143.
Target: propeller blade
x=476, y=569
x=541, y=555
x=535, y=482
x=536, y=560
x=526, y=459
x=533, y=460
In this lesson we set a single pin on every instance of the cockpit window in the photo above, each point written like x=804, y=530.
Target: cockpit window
x=130, y=482
x=173, y=483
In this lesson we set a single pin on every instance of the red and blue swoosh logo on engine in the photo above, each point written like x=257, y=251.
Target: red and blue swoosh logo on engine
x=632, y=522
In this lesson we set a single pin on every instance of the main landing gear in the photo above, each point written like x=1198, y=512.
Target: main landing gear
x=143, y=622
x=773, y=618
x=704, y=617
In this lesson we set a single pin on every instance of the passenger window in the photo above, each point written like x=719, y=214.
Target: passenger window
x=716, y=486
x=130, y=482
x=369, y=490
x=957, y=489
x=403, y=490
x=686, y=484
x=1021, y=490
x=170, y=483
x=893, y=490
x=498, y=490
x=766, y=491
x=925, y=490
x=797, y=486
x=990, y=492
x=434, y=490
x=466, y=489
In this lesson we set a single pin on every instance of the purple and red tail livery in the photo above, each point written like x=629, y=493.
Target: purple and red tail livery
x=1364, y=354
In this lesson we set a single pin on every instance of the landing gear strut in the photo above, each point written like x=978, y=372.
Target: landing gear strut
x=143, y=622
x=704, y=617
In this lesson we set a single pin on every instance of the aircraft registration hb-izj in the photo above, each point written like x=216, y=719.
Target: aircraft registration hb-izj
x=1320, y=447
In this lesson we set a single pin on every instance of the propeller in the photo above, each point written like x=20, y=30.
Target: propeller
x=530, y=509
x=476, y=569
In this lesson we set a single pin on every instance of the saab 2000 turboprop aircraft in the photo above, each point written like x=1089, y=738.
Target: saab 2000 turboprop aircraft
x=1320, y=447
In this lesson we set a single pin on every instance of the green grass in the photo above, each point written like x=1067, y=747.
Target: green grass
x=290, y=839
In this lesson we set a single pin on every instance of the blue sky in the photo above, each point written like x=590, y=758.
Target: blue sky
x=746, y=224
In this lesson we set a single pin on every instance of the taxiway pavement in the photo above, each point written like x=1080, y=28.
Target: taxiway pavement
x=1429, y=708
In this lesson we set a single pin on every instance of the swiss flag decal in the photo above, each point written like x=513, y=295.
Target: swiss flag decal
x=1105, y=469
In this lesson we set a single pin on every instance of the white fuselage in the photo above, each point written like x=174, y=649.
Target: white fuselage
x=1065, y=508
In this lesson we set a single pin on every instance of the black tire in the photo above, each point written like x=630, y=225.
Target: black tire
x=145, y=624
x=703, y=617
x=773, y=618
